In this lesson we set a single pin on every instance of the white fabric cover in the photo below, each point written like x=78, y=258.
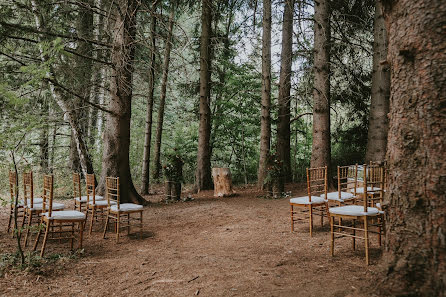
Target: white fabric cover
x=378, y=205
x=369, y=189
x=84, y=198
x=66, y=215
x=354, y=210
x=305, y=200
x=36, y=200
x=56, y=206
x=335, y=196
x=102, y=202
x=126, y=207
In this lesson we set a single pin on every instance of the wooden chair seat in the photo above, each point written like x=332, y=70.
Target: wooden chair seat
x=65, y=215
x=39, y=207
x=315, y=200
x=353, y=210
x=370, y=190
x=334, y=196
x=84, y=199
x=126, y=208
x=28, y=201
x=100, y=203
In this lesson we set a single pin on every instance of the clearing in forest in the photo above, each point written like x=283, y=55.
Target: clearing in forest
x=237, y=246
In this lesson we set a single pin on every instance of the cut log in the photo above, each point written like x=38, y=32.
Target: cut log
x=222, y=182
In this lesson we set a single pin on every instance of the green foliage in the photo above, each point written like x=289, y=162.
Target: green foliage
x=173, y=167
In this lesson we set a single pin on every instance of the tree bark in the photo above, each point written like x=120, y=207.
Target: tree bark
x=416, y=149
x=44, y=134
x=115, y=159
x=379, y=107
x=265, y=119
x=145, y=183
x=222, y=182
x=159, y=128
x=283, y=125
x=203, y=180
x=321, y=150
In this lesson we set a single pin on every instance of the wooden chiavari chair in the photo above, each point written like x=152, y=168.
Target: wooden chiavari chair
x=347, y=183
x=120, y=213
x=316, y=205
x=13, y=190
x=65, y=220
x=33, y=205
x=79, y=200
x=356, y=214
x=95, y=206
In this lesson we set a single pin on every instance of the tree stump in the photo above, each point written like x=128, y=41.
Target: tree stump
x=222, y=182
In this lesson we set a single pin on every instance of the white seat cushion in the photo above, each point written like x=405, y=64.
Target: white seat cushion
x=66, y=215
x=102, y=202
x=335, y=196
x=354, y=210
x=305, y=200
x=36, y=200
x=84, y=198
x=56, y=206
x=369, y=189
x=126, y=207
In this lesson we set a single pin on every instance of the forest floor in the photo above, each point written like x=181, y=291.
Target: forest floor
x=236, y=246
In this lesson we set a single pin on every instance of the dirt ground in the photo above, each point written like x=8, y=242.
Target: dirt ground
x=237, y=246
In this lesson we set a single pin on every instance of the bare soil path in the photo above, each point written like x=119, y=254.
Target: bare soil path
x=238, y=246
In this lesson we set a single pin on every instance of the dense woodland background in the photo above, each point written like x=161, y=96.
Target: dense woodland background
x=76, y=40
x=119, y=87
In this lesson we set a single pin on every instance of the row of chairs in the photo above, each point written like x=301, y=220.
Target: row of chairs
x=358, y=200
x=55, y=222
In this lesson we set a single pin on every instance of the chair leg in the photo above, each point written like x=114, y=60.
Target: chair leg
x=45, y=238
x=11, y=213
x=140, y=232
x=128, y=222
x=81, y=233
x=25, y=216
x=29, y=227
x=118, y=227
x=292, y=218
x=366, y=236
x=379, y=230
x=322, y=218
x=38, y=236
x=106, y=225
x=332, y=236
x=93, y=213
x=311, y=221
x=354, y=235
x=72, y=236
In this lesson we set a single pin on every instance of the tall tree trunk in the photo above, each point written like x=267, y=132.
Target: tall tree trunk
x=416, y=149
x=44, y=141
x=65, y=104
x=283, y=125
x=115, y=159
x=379, y=107
x=203, y=179
x=265, y=118
x=148, y=129
x=159, y=128
x=82, y=76
x=321, y=150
